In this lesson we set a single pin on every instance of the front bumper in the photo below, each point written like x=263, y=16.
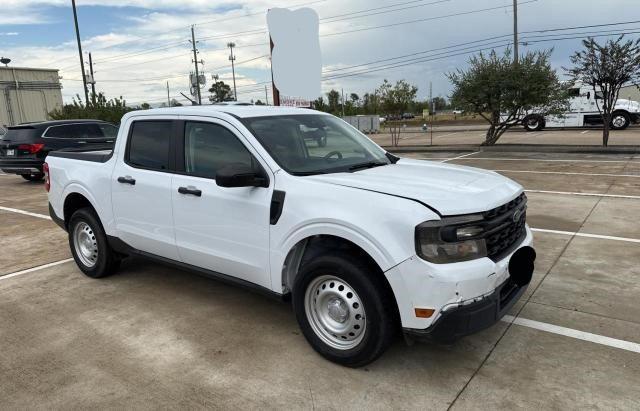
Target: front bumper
x=21, y=166
x=460, y=288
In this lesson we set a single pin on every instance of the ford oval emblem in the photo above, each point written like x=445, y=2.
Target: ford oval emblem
x=517, y=215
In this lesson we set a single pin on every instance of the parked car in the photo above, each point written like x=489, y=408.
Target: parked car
x=24, y=147
x=406, y=116
x=364, y=243
x=458, y=111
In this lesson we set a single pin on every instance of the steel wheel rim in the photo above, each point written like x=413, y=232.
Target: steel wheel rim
x=532, y=123
x=335, y=312
x=619, y=121
x=85, y=244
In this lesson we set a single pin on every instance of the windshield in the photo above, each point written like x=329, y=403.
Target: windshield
x=306, y=144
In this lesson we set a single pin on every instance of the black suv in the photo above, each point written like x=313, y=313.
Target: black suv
x=24, y=147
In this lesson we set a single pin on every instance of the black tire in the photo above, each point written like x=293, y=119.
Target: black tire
x=620, y=120
x=378, y=305
x=107, y=261
x=533, y=123
x=33, y=177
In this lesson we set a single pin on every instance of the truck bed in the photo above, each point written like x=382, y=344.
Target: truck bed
x=96, y=156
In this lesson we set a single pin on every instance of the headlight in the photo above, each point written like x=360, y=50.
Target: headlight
x=451, y=240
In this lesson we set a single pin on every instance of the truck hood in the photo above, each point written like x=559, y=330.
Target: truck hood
x=449, y=189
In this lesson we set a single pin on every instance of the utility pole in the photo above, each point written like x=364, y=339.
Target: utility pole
x=515, y=31
x=93, y=81
x=266, y=94
x=84, y=78
x=168, y=97
x=232, y=59
x=195, y=62
x=342, y=90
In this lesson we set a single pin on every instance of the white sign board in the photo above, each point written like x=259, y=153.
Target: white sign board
x=296, y=60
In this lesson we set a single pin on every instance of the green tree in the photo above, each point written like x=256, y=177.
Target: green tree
x=501, y=91
x=144, y=106
x=175, y=103
x=333, y=97
x=107, y=110
x=259, y=103
x=220, y=92
x=319, y=104
x=606, y=68
x=370, y=103
x=395, y=100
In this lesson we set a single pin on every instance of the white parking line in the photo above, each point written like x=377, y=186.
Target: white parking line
x=587, y=235
x=584, y=132
x=583, y=194
x=15, y=210
x=462, y=156
x=30, y=270
x=570, y=332
x=568, y=173
x=446, y=135
x=550, y=159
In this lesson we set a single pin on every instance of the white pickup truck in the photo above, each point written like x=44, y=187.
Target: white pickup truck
x=364, y=243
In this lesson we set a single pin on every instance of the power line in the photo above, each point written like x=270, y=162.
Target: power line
x=383, y=11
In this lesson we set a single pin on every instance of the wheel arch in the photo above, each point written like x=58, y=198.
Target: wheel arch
x=307, y=248
x=73, y=201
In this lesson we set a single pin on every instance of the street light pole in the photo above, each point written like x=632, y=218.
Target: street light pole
x=84, y=77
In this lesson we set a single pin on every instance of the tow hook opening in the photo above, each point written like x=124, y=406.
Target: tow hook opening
x=521, y=266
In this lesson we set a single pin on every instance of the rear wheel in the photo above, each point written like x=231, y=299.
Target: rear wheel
x=620, y=120
x=33, y=177
x=89, y=246
x=533, y=123
x=344, y=309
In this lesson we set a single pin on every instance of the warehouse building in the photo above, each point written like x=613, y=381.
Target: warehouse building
x=28, y=94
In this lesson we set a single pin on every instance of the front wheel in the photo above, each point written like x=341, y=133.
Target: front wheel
x=533, y=123
x=344, y=309
x=89, y=246
x=620, y=121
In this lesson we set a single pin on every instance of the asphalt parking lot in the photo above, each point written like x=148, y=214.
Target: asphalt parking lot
x=157, y=337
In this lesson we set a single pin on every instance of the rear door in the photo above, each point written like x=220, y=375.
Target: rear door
x=141, y=188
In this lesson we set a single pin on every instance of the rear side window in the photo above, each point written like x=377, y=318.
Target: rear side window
x=149, y=144
x=77, y=131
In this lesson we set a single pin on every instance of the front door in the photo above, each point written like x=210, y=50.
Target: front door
x=141, y=189
x=225, y=230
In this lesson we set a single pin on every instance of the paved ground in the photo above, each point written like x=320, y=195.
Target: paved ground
x=157, y=337
x=458, y=135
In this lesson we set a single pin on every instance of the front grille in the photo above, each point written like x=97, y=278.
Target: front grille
x=503, y=232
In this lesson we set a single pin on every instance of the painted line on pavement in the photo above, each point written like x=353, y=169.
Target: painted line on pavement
x=551, y=160
x=15, y=210
x=445, y=135
x=568, y=173
x=583, y=194
x=570, y=332
x=30, y=270
x=462, y=156
x=587, y=235
x=584, y=132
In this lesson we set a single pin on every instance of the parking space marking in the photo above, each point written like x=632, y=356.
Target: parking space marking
x=587, y=235
x=583, y=194
x=548, y=159
x=570, y=332
x=30, y=270
x=445, y=135
x=15, y=210
x=584, y=132
x=462, y=156
x=568, y=173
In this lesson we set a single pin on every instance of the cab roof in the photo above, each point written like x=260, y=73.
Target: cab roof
x=234, y=110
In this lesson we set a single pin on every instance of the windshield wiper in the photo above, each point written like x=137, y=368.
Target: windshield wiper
x=368, y=164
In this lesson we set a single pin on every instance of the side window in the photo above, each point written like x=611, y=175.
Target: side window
x=60, y=132
x=574, y=92
x=210, y=147
x=149, y=144
x=84, y=131
x=108, y=130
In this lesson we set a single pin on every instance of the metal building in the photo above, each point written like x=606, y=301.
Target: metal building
x=28, y=94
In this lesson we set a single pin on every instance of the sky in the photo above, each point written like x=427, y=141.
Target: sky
x=139, y=45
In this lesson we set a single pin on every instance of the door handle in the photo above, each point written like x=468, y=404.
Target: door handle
x=127, y=180
x=191, y=190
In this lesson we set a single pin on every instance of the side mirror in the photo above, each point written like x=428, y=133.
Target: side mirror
x=238, y=175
